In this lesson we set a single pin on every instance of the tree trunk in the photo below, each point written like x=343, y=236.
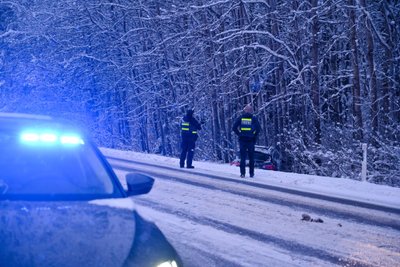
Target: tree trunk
x=371, y=70
x=389, y=76
x=357, y=114
x=315, y=73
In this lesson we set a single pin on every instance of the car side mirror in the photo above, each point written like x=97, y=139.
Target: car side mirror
x=138, y=184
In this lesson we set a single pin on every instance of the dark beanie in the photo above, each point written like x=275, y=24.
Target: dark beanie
x=190, y=112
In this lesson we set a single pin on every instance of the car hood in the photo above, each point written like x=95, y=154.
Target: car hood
x=65, y=233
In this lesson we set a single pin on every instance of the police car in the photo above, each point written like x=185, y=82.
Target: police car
x=61, y=204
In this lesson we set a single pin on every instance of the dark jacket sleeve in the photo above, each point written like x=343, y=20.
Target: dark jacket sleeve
x=196, y=124
x=236, y=126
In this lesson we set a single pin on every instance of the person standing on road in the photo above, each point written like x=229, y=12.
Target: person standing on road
x=247, y=128
x=189, y=128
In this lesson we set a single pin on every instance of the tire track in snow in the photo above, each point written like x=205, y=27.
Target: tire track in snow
x=289, y=245
x=333, y=199
x=326, y=211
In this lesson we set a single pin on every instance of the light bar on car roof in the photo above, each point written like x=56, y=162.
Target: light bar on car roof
x=30, y=137
x=71, y=139
x=51, y=138
x=48, y=137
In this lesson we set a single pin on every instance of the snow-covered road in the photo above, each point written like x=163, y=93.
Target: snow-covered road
x=230, y=222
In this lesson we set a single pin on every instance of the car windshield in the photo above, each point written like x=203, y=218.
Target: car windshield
x=51, y=163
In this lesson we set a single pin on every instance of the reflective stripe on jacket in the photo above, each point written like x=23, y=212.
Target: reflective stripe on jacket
x=185, y=126
x=187, y=129
x=246, y=125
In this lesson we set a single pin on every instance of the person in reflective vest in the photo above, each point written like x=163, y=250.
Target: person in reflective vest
x=247, y=129
x=189, y=128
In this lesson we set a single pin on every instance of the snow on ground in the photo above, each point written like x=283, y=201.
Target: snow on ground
x=211, y=227
x=337, y=187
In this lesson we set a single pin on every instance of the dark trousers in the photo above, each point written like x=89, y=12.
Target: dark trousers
x=187, y=152
x=246, y=148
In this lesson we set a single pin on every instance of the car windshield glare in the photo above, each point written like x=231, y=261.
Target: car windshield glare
x=50, y=163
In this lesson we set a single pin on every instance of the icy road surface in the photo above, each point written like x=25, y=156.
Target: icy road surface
x=222, y=220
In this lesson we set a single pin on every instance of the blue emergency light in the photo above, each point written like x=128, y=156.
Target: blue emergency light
x=30, y=137
x=70, y=139
x=50, y=138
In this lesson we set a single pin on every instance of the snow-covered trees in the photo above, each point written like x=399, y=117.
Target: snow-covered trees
x=323, y=75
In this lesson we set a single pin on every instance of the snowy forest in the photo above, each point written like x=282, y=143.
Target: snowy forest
x=322, y=75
